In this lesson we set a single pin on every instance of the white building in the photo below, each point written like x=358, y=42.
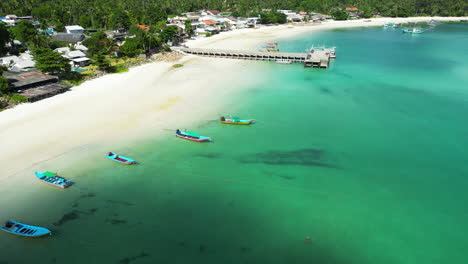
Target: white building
x=18, y=63
x=75, y=29
x=77, y=58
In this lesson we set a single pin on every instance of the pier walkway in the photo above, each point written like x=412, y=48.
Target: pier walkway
x=315, y=58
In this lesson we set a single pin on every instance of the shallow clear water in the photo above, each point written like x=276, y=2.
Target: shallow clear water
x=367, y=158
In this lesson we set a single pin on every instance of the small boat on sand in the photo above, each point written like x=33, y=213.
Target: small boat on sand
x=53, y=179
x=191, y=136
x=120, y=159
x=236, y=121
x=20, y=229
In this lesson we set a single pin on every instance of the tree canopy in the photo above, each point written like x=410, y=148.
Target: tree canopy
x=109, y=14
x=5, y=37
x=50, y=61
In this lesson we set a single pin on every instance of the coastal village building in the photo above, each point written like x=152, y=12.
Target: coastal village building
x=68, y=38
x=353, y=12
x=18, y=63
x=144, y=27
x=118, y=34
x=75, y=29
x=34, y=85
x=77, y=57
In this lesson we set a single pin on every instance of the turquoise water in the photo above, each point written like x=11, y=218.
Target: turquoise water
x=367, y=158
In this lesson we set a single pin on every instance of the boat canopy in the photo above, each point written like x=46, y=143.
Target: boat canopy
x=49, y=174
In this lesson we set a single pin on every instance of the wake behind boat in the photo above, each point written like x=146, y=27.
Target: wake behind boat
x=192, y=136
x=53, y=179
x=236, y=121
x=20, y=229
x=120, y=159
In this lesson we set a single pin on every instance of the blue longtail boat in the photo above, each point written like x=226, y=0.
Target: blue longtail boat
x=119, y=158
x=53, y=179
x=192, y=136
x=20, y=229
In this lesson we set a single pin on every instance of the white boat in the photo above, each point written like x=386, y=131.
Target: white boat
x=413, y=30
x=390, y=25
x=284, y=61
x=331, y=52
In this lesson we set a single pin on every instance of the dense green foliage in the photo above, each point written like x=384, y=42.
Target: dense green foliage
x=50, y=61
x=131, y=47
x=15, y=98
x=273, y=18
x=24, y=31
x=339, y=14
x=97, y=43
x=106, y=14
x=4, y=86
x=188, y=28
x=102, y=62
x=5, y=37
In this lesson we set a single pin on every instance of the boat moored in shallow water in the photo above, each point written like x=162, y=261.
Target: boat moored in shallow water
x=236, y=121
x=413, y=30
x=53, y=179
x=21, y=229
x=120, y=159
x=192, y=136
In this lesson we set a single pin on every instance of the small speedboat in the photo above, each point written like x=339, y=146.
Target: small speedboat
x=120, y=159
x=20, y=229
x=53, y=179
x=191, y=136
x=236, y=121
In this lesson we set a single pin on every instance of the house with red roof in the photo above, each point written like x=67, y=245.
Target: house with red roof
x=213, y=12
x=145, y=28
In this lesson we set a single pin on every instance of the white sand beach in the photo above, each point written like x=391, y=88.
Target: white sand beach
x=148, y=100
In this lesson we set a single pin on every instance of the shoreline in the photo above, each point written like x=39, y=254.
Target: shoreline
x=117, y=109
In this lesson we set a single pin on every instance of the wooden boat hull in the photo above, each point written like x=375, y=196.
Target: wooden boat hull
x=56, y=181
x=20, y=229
x=240, y=122
x=120, y=159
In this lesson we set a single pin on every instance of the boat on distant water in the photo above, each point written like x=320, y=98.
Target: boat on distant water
x=53, y=179
x=413, y=30
x=433, y=23
x=119, y=158
x=20, y=229
x=390, y=25
x=236, y=121
x=332, y=52
x=192, y=136
x=284, y=61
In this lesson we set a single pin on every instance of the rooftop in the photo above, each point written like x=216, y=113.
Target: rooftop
x=44, y=91
x=74, y=27
x=28, y=79
x=69, y=38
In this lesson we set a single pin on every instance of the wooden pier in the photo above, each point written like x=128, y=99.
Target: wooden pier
x=314, y=58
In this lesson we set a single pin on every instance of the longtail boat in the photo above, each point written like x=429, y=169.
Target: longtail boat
x=20, y=229
x=236, y=121
x=120, y=159
x=53, y=179
x=191, y=136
